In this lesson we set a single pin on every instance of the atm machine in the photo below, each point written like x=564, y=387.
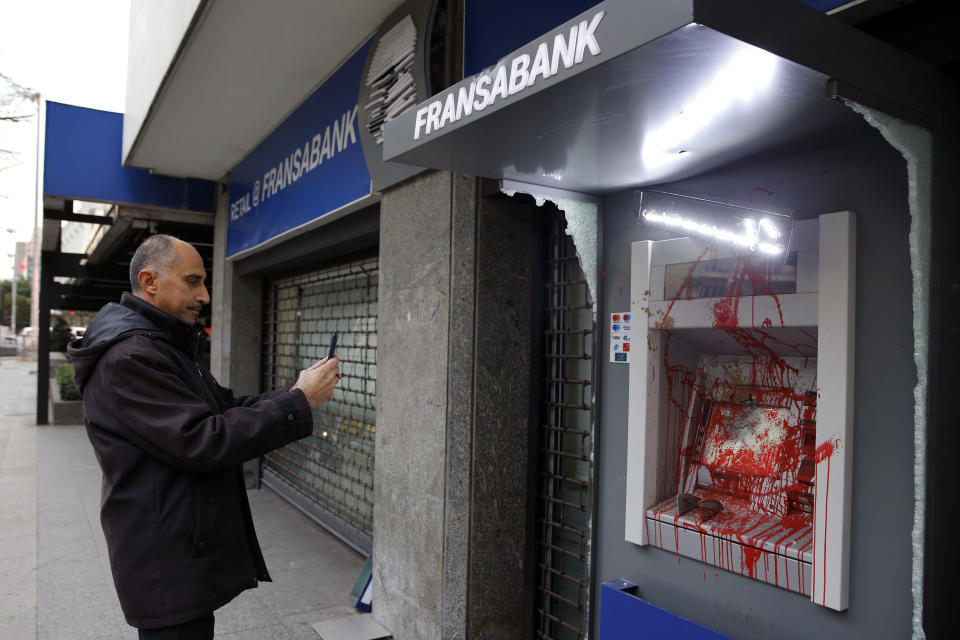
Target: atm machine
x=741, y=396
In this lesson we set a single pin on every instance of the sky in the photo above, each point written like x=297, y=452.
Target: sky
x=72, y=51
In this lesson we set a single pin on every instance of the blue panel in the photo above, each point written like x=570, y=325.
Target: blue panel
x=310, y=165
x=495, y=28
x=82, y=161
x=624, y=616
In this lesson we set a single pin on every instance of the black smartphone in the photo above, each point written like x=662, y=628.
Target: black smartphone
x=333, y=345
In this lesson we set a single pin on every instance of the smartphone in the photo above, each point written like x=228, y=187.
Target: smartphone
x=333, y=345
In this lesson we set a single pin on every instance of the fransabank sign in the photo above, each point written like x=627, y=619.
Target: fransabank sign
x=590, y=39
x=510, y=77
x=325, y=144
x=310, y=165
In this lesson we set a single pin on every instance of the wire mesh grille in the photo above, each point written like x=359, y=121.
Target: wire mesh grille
x=333, y=468
x=564, y=492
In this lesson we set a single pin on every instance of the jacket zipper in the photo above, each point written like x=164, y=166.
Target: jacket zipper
x=196, y=350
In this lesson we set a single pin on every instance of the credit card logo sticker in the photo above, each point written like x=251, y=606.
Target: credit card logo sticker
x=619, y=337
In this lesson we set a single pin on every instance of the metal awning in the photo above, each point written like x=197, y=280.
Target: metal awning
x=92, y=279
x=239, y=69
x=664, y=90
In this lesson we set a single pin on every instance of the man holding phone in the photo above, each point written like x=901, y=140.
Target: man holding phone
x=171, y=443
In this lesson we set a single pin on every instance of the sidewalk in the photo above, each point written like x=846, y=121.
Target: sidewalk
x=55, y=581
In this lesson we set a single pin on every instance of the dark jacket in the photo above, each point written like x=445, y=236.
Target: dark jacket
x=171, y=443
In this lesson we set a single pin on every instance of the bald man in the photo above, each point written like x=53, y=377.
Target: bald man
x=171, y=443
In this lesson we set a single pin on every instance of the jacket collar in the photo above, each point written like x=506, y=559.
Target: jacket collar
x=178, y=332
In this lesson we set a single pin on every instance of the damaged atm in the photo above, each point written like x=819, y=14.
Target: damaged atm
x=740, y=392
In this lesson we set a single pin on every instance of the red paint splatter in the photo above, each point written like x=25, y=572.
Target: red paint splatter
x=825, y=451
x=767, y=489
x=725, y=313
x=767, y=429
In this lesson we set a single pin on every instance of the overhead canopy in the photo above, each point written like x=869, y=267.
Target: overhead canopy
x=659, y=91
x=81, y=161
x=240, y=68
x=87, y=281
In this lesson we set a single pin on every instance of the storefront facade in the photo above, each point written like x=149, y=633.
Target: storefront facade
x=542, y=377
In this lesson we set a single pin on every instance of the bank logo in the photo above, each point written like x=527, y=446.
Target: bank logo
x=324, y=145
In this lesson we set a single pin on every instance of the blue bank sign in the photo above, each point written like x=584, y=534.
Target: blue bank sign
x=310, y=166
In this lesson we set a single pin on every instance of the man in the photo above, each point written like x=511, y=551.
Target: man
x=171, y=442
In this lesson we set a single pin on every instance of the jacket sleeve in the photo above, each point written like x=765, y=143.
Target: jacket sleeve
x=245, y=401
x=145, y=398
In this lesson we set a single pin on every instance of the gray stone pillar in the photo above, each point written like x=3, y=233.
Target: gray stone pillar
x=453, y=389
x=236, y=317
x=412, y=328
x=219, y=303
x=236, y=325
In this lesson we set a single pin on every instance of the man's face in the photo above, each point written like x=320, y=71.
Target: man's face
x=182, y=291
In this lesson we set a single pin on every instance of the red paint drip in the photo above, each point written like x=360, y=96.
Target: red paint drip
x=749, y=558
x=786, y=573
x=824, y=451
x=826, y=513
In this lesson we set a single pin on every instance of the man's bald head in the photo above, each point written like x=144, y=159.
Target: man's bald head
x=156, y=253
x=169, y=274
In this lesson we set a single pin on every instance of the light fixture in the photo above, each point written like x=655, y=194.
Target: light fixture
x=759, y=231
x=747, y=75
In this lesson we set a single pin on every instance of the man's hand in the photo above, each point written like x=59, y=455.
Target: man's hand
x=318, y=381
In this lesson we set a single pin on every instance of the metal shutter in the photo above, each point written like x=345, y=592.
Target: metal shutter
x=564, y=491
x=329, y=476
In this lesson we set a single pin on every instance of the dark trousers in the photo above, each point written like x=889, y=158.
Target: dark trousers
x=199, y=629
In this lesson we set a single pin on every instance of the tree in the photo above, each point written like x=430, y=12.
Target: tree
x=23, y=303
x=14, y=108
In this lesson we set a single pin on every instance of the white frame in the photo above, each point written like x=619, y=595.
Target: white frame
x=835, y=368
